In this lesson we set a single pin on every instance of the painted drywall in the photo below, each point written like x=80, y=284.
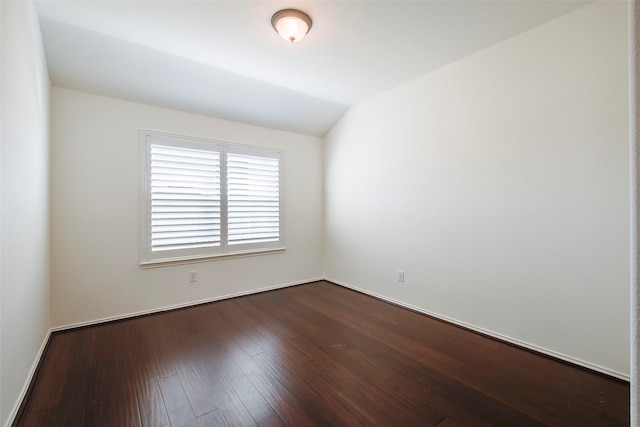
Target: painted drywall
x=634, y=150
x=24, y=201
x=95, y=207
x=499, y=185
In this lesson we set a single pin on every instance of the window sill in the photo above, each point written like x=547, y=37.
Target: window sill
x=191, y=260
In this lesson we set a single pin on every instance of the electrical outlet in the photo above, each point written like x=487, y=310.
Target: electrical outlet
x=400, y=276
x=193, y=276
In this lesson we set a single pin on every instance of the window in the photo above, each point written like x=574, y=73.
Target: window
x=203, y=198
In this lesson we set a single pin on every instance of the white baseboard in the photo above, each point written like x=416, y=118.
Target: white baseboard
x=183, y=305
x=490, y=333
x=25, y=387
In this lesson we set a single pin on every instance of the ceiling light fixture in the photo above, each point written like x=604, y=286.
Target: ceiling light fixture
x=291, y=24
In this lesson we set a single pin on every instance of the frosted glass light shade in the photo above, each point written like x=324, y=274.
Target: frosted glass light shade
x=291, y=24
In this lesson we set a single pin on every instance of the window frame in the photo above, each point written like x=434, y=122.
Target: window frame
x=224, y=250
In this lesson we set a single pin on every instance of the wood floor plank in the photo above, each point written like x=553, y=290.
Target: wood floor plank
x=293, y=408
x=310, y=355
x=206, y=379
x=351, y=339
x=518, y=394
x=415, y=397
x=155, y=345
x=198, y=365
x=230, y=404
x=334, y=409
x=575, y=384
x=246, y=384
x=176, y=402
x=449, y=422
x=483, y=406
x=53, y=373
x=261, y=412
x=150, y=402
x=212, y=419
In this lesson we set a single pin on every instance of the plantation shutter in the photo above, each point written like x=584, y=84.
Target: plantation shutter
x=185, y=198
x=253, y=199
x=202, y=198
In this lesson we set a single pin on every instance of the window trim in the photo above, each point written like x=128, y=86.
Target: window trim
x=224, y=251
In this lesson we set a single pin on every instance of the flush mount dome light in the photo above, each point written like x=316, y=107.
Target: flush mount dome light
x=291, y=24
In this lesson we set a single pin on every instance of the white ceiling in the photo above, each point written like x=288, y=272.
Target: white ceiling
x=222, y=58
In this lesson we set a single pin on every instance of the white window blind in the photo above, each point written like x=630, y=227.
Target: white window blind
x=203, y=198
x=185, y=198
x=253, y=194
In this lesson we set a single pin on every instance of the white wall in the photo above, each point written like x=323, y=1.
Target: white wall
x=634, y=150
x=94, y=212
x=24, y=201
x=499, y=184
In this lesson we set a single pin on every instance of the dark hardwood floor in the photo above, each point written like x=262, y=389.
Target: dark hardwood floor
x=310, y=355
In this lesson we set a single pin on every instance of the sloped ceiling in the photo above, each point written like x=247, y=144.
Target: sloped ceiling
x=223, y=59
